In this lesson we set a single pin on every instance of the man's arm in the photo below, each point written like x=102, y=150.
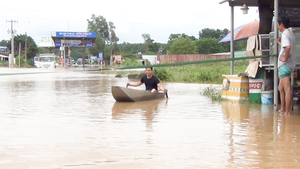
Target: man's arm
x=160, y=86
x=135, y=84
x=278, y=40
x=286, y=44
x=285, y=57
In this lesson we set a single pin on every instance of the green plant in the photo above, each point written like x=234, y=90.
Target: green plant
x=213, y=93
x=162, y=73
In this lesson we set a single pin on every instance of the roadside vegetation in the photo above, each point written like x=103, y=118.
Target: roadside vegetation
x=208, y=73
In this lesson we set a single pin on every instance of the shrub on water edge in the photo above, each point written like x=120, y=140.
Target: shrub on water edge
x=213, y=93
x=162, y=73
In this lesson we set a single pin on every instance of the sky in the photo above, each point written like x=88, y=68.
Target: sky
x=132, y=18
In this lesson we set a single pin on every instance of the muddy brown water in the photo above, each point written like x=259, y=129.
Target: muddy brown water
x=69, y=120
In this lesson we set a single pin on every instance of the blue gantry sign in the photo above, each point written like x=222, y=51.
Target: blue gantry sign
x=75, y=34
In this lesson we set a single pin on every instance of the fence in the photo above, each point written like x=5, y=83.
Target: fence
x=189, y=58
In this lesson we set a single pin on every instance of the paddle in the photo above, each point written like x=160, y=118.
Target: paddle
x=167, y=95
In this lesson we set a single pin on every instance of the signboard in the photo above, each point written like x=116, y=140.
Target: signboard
x=74, y=34
x=255, y=85
x=71, y=41
x=100, y=56
x=58, y=44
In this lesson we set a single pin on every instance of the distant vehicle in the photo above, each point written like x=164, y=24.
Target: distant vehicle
x=45, y=61
x=79, y=61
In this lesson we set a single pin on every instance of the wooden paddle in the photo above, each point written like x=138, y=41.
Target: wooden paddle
x=167, y=95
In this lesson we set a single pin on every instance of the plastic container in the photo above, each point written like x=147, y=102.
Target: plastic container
x=255, y=86
x=267, y=97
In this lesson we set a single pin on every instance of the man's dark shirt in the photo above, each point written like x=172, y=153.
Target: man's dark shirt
x=150, y=83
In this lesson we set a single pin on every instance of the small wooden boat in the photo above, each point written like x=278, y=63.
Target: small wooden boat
x=123, y=94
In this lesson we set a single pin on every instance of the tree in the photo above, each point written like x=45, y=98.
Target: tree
x=208, y=46
x=147, y=41
x=112, y=38
x=99, y=46
x=32, y=48
x=212, y=33
x=174, y=37
x=4, y=43
x=99, y=24
x=183, y=46
x=105, y=34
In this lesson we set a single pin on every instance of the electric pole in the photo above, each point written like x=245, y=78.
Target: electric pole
x=12, y=50
x=25, y=49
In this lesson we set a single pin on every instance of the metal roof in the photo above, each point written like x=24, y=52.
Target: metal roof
x=287, y=8
x=255, y=3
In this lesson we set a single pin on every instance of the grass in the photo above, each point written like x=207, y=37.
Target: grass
x=210, y=73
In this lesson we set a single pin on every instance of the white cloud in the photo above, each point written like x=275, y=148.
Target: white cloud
x=132, y=18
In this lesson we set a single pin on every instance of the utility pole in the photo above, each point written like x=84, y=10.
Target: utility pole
x=19, y=54
x=12, y=32
x=25, y=49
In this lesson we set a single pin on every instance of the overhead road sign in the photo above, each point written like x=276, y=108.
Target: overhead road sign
x=71, y=41
x=74, y=39
x=74, y=34
x=76, y=44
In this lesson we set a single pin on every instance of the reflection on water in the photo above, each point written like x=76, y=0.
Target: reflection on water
x=69, y=119
x=148, y=110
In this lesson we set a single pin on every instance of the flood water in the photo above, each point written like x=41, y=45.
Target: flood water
x=69, y=120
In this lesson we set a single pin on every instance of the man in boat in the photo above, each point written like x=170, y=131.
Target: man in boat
x=286, y=63
x=151, y=82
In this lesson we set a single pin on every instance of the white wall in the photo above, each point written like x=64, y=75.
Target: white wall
x=152, y=58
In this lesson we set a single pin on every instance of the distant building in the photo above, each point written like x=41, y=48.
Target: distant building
x=151, y=58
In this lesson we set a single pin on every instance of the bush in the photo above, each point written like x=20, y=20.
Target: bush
x=213, y=93
x=161, y=73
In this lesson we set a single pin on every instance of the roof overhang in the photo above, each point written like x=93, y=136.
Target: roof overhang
x=254, y=3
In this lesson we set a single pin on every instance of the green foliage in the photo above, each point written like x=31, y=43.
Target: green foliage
x=4, y=64
x=22, y=62
x=100, y=25
x=209, y=45
x=183, y=46
x=100, y=45
x=213, y=93
x=106, y=36
x=4, y=43
x=212, y=33
x=32, y=48
x=174, y=37
x=162, y=73
x=130, y=61
x=201, y=73
x=238, y=45
x=128, y=56
x=78, y=53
